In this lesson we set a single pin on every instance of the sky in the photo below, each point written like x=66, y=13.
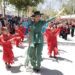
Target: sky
x=54, y=4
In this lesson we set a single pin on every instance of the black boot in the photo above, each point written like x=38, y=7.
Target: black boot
x=8, y=66
x=36, y=70
x=51, y=56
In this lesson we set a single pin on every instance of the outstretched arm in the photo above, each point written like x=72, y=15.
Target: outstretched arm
x=50, y=19
x=53, y=18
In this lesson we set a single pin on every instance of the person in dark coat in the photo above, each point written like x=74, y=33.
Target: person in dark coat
x=72, y=29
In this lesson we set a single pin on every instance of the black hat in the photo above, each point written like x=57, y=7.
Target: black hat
x=33, y=15
x=37, y=13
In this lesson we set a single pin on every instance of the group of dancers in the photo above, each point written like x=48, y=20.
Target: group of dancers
x=35, y=39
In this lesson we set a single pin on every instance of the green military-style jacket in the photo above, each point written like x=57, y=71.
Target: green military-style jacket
x=35, y=33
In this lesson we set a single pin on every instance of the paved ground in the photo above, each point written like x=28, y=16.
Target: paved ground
x=64, y=65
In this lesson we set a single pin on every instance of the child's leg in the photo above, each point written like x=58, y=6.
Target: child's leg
x=22, y=37
x=55, y=51
x=18, y=40
x=50, y=50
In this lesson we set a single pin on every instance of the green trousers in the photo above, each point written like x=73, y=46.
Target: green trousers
x=35, y=54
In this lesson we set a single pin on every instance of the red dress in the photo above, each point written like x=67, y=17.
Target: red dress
x=8, y=55
x=52, y=40
x=17, y=40
x=19, y=36
x=21, y=32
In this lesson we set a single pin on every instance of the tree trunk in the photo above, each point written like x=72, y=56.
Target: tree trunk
x=4, y=8
x=18, y=12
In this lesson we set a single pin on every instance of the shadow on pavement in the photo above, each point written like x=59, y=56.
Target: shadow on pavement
x=68, y=39
x=15, y=69
x=63, y=59
x=66, y=43
x=45, y=71
x=62, y=51
x=58, y=59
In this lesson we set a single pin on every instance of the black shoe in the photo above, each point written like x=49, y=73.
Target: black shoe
x=36, y=70
x=55, y=57
x=51, y=56
x=8, y=66
x=5, y=63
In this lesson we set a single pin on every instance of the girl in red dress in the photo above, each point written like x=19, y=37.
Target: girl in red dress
x=18, y=36
x=21, y=32
x=8, y=55
x=51, y=34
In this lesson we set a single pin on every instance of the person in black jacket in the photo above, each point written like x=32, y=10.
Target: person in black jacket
x=2, y=21
x=72, y=28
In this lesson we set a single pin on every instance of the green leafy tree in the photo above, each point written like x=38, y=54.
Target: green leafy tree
x=24, y=4
x=69, y=7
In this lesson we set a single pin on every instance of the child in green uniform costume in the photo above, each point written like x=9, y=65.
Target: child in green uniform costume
x=36, y=41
